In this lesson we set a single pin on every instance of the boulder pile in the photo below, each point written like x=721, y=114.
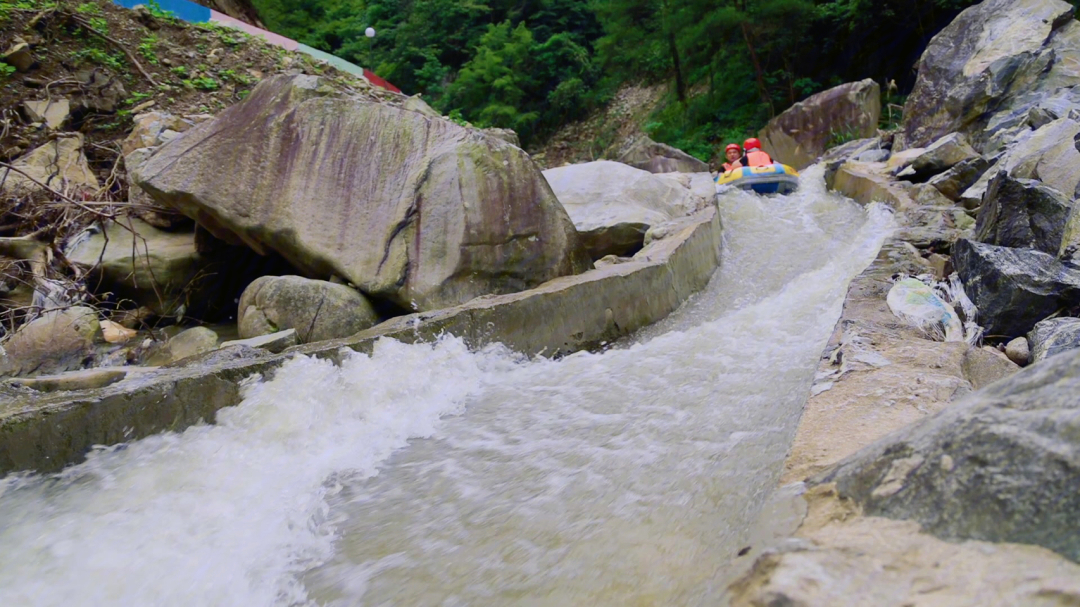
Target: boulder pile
x=983, y=175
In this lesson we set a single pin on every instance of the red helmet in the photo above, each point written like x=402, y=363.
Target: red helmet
x=733, y=146
x=752, y=143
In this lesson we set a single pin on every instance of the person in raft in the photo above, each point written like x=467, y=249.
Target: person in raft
x=754, y=157
x=733, y=152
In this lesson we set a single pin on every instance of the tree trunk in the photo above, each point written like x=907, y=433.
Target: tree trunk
x=762, y=90
x=673, y=48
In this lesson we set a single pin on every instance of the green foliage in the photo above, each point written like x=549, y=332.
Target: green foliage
x=202, y=83
x=100, y=24
x=243, y=79
x=841, y=136
x=137, y=97
x=179, y=70
x=6, y=70
x=89, y=8
x=96, y=55
x=147, y=48
x=25, y=5
x=160, y=13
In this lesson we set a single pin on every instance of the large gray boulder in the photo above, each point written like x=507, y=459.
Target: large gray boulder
x=613, y=205
x=1054, y=336
x=654, y=157
x=992, y=65
x=317, y=309
x=416, y=210
x=1002, y=465
x=56, y=341
x=1014, y=288
x=141, y=263
x=804, y=131
x=1022, y=213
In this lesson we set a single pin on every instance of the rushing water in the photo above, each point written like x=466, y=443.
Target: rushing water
x=431, y=475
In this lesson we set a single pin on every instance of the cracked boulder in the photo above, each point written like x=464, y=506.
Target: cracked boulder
x=418, y=211
x=318, y=310
x=1002, y=465
x=1022, y=213
x=1014, y=288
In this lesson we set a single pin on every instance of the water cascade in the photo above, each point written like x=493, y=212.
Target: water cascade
x=432, y=475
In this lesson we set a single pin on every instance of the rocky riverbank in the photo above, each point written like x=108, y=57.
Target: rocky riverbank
x=933, y=471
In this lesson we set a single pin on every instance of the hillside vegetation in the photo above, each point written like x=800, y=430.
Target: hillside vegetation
x=534, y=65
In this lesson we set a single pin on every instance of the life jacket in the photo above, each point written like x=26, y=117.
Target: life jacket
x=757, y=158
x=729, y=166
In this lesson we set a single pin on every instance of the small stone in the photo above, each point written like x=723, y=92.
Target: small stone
x=116, y=333
x=87, y=379
x=19, y=56
x=274, y=342
x=1018, y=351
x=941, y=264
x=317, y=309
x=142, y=107
x=132, y=319
x=53, y=113
x=947, y=463
x=145, y=17
x=187, y=343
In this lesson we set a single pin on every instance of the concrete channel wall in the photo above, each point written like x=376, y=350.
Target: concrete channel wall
x=46, y=432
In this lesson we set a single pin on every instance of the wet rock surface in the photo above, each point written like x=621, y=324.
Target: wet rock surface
x=56, y=341
x=317, y=310
x=1014, y=288
x=943, y=154
x=1003, y=465
x=1053, y=336
x=1022, y=213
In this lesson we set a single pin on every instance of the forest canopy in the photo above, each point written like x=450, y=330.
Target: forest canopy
x=534, y=65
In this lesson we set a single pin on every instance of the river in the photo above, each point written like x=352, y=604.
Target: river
x=432, y=475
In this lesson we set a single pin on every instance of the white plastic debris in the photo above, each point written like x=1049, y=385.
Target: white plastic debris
x=915, y=302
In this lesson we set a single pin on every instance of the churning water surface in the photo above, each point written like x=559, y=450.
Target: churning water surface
x=432, y=475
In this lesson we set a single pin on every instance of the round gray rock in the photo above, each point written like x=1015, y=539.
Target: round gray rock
x=56, y=341
x=1018, y=351
x=317, y=309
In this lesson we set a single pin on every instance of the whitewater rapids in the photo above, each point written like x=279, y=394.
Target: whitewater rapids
x=432, y=475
